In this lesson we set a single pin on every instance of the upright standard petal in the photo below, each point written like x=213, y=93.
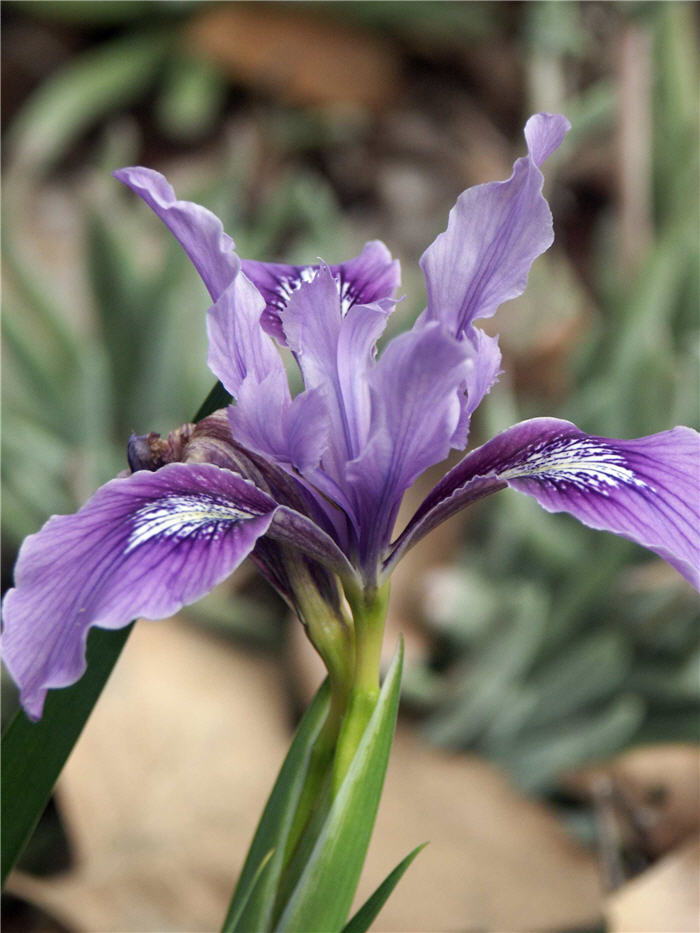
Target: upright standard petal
x=416, y=409
x=144, y=545
x=334, y=352
x=647, y=490
x=199, y=232
x=246, y=360
x=483, y=369
x=292, y=432
x=238, y=347
x=367, y=278
x=494, y=233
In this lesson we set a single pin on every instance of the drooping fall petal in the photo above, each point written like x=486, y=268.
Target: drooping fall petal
x=144, y=545
x=646, y=489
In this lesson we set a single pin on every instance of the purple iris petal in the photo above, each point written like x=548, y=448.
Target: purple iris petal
x=415, y=412
x=485, y=366
x=246, y=360
x=301, y=533
x=494, y=234
x=324, y=473
x=199, y=232
x=334, y=352
x=367, y=278
x=647, y=490
x=238, y=347
x=294, y=433
x=357, y=347
x=322, y=517
x=144, y=545
x=545, y=132
x=301, y=519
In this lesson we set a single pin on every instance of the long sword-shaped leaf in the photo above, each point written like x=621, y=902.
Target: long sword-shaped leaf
x=365, y=916
x=323, y=895
x=33, y=754
x=251, y=909
x=235, y=914
x=217, y=398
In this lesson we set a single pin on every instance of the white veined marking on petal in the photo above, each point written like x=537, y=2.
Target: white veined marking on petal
x=582, y=462
x=347, y=296
x=181, y=517
x=289, y=285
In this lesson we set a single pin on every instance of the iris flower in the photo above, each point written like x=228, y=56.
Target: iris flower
x=310, y=486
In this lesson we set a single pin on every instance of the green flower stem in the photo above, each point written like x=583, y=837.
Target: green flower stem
x=332, y=635
x=328, y=628
x=369, y=615
x=352, y=655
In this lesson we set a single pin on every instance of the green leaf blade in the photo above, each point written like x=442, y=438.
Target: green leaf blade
x=253, y=899
x=33, y=753
x=323, y=895
x=361, y=921
x=233, y=918
x=217, y=398
x=106, y=78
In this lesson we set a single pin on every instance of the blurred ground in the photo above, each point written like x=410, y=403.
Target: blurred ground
x=536, y=648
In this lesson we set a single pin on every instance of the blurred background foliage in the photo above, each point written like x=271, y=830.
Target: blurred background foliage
x=310, y=128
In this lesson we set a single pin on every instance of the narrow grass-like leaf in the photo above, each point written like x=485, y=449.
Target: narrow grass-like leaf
x=249, y=908
x=191, y=97
x=323, y=895
x=365, y=916
x=541, y=754
x=235, y=916
x=109, y=76
x=33, y=754
x=30, y=361
x=31, y=289
x=217, y=398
